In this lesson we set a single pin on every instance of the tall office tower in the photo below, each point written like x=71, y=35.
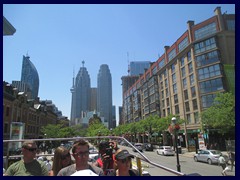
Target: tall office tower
x=120, y=121
x=93, y=99
x=104, y=94
x=22, y=87
x=80, y=95
x=30, y=76
x=138, y=67
x=114, y=116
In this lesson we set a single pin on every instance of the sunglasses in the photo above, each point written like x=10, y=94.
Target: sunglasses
x=31, y=149
x=63, y=157
x=124, y=160
x=81, y=154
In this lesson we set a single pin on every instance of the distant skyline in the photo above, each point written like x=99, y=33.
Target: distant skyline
x=58, y=37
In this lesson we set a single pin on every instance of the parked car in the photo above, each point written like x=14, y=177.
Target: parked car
x=148, y=147
x=138, y=146
x=165, y=150
x=209, y=156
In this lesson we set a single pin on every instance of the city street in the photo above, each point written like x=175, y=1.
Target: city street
x=188, y=165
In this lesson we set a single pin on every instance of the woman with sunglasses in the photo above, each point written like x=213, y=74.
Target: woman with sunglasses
x=61, y=159
x=28, y=165
x=123, y=164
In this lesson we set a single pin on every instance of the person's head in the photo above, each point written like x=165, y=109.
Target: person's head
x=61, y=159
x=123, y=159
x=103, y=146
x=29, y=149
x=80, y=152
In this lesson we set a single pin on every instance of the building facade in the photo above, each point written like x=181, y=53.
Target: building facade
x=30, y=76
x=186, y=78
x=80, y=95
x=104, y=94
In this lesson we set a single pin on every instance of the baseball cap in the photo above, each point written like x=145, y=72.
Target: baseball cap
x=124, y=154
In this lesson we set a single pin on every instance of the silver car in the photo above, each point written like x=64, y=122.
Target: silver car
x=165, y=150
x=209, y=156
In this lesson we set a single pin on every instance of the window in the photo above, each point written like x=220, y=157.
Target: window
x=175, y=98
x=192, y=80
x=189, y=119
x=161, y=85
x=166, y=83
x=231, y=25
x=207, y=58
x=183, y=44
x=205, y=31
x=186, y=94
x=167, y=92
x=182, y=61
x=184, y=83
x=205, y=45
x=154, y=71
x=176, y=109
x=162, y=94
x=163, y=103
x=195, y=106
x=193, y=91
x=183, y=72
x=167, y=101
x=173, y=68
x=174, y=78
x=187, y=106
x=190, y=68
x=211, y=85
x=174, y=88
x=161, y=63
x=189, y=56
x=171, y=54
x=207, y=100
x=196, y=117
x=209, y=72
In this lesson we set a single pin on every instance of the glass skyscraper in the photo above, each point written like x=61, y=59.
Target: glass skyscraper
x=80, y=95
x=137, y=67
x=30, y=76
x=104, y=94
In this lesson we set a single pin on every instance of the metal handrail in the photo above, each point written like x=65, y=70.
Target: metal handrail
x=144, y=158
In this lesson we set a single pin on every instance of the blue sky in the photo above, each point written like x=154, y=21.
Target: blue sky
x=59, y=37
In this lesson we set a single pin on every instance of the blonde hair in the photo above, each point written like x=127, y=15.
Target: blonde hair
x=57, y=161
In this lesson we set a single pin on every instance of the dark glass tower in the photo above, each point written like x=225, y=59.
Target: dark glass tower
x=104, y=94
x=30, y=76
x=80, y=95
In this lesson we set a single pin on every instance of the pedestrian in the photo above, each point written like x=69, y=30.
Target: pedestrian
x=61, y=159
x=28, y=165
x=80, y=152
x=231, y=156
x=222, y=163
x=123, y=164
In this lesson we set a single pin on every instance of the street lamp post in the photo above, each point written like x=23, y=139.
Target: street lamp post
x=176, y=148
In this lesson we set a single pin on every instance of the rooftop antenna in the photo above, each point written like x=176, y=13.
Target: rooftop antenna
x=128, y=64
x=27, y=54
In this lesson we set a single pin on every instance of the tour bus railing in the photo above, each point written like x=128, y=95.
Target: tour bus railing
x=144, y=158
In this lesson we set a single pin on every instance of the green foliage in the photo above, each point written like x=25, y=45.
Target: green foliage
x=221, y=115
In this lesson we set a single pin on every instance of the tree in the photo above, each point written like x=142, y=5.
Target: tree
x=221, y=115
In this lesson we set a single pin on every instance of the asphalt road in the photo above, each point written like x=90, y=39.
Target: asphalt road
x=188, y=165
